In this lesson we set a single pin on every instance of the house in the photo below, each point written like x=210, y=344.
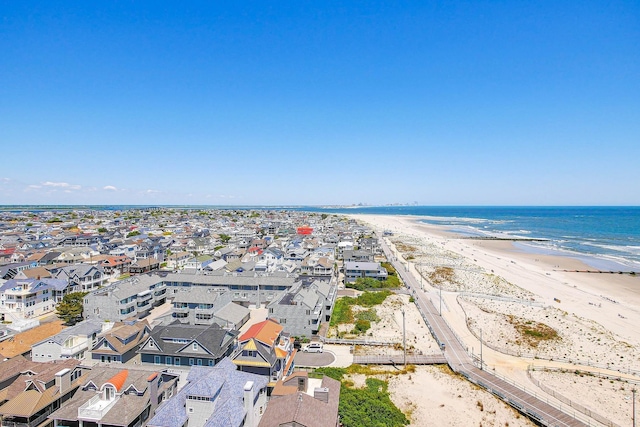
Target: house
x=205, y=305
x=264, y=349
x=302, y=309
x=30, y=298
x=129, y=298
x=180, y=344
x=115, y=264
x=219, y=396
x=82, y=277
x=178, y=260
x=301, y=401
x=355, y=270
x=119, y=344
x=70, y=343
x=320, y=266
x=22, y=341
x=198, y=263
x=36, y=390
x=358, y=255
x=144, y=265
x=114, y=396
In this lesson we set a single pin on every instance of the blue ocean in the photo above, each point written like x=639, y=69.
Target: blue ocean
x=606, y=238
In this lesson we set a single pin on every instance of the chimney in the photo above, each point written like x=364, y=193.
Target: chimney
x=248, y=405
x=63, y=381
x=152, y=385
x=321, y=393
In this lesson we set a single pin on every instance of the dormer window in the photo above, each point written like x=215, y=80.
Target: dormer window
x=109, y=393
x=194, y=346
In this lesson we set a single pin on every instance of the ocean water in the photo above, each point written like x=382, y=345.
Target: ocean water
x=606, y=238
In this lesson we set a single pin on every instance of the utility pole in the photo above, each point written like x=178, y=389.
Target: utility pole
x=633, y=390
x=440, y=299
x=481, y=365
x=404, y=341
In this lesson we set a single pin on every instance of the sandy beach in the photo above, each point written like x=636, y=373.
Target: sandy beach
x=533, y=311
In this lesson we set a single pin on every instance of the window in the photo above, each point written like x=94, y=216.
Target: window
x=210, y=362
x=167, y=360
x=191, y=361
x=199, y=362
x=195, y=346
x=156, y=360
x=176, y=361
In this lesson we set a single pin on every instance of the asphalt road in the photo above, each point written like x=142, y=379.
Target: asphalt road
x=314, y=360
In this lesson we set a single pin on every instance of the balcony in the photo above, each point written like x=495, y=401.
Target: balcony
x=204, y=310
x=95, y=408
x=72, y=351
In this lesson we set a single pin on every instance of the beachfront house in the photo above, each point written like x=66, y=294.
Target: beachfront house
x=356, y=270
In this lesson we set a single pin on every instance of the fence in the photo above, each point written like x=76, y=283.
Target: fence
x=588, y=412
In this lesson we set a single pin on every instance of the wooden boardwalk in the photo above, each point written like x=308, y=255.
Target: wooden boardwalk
x=460, y=362
x=422, y=359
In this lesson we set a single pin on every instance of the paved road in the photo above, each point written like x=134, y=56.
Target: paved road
x=460, y=361
x=313, y=360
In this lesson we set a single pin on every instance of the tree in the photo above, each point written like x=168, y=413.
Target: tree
x=225, y=238
x=70, y=308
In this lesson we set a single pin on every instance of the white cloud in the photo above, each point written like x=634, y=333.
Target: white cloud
x=65, y=185
x=152, y=191
x=109, y=188
x=35, y=186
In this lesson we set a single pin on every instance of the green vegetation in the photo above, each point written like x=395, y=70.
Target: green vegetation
x=70, y=308
x=368, y=406
x=102, y=230
x=371, y=315
x=532, y=333
x=342, y=312
x=55, y=219
x=225, y=238
x=361, y=326
x=133, y=233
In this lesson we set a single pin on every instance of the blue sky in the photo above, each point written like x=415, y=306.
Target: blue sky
x=308, y=102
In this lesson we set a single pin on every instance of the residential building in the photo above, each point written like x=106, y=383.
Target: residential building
x=119, y=344
x=70, y=343
x=265, y=349
x=302, y=309
x=355, y=270
x=110, y=396
x=30, y=298
x=37, y=390
x=219, y=396
x=205, y=305
x=181, y=344
x=303, y=402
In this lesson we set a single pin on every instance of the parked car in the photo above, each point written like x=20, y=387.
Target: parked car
x=314, y=347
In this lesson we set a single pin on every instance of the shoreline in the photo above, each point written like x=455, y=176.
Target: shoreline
x=551, y=277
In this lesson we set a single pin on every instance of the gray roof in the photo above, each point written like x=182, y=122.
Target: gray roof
x=233, y=313
x=197, y=294
x=207, y=381
x=85, y=328
x=212, y=338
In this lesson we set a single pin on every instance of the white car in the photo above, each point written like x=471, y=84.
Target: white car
x=314, y=347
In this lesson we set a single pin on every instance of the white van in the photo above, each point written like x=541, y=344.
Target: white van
x=314, y=347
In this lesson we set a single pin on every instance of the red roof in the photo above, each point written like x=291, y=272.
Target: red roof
x=118, y=379
x=305, y=230
x=266, y=332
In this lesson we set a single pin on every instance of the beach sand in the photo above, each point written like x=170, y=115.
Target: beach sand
x=533, y=310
